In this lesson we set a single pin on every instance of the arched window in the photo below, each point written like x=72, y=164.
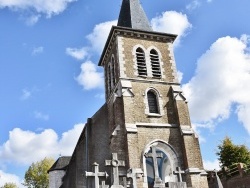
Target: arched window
x=163, y=169
x=155, y=64
x=159, y=162
x=141, y=62
x=152, y=102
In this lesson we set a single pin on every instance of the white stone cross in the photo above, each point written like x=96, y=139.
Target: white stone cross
x=134, y=173
x=154, y=155
x=96, y=174
x=115, y=163
x=178, y=172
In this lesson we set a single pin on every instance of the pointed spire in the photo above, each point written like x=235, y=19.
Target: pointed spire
x=133, y=16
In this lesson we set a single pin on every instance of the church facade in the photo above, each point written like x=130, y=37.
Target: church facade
x=142, y=136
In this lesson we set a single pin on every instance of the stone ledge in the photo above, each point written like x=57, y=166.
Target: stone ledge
x=186, y=130
x=196, y=171
x=132, y=128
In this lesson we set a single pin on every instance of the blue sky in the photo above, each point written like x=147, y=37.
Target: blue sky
x=50, y=83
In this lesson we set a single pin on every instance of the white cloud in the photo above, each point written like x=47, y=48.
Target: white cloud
x=26, y=94
x=100, y=34
x=89, y=77
x=243, y=111
x=69, y=139
x=172, y=22
x=77, y=53
x=198, y=126
x=37, y=50
x=180, y=76
x=40, y=115
x=221, y=80
x=25, y=147
x=194, y=5
x=33, y=19
x=46, y=7
x=7, y=178
x=211, y=165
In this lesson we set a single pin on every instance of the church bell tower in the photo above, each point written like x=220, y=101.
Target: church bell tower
x=148, y=117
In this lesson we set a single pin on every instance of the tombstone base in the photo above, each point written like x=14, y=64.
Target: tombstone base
x=159, y=186
x=177, y=185
x=116, y=186
x=158, y=183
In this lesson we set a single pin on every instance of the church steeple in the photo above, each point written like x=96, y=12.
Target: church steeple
x=133, y=16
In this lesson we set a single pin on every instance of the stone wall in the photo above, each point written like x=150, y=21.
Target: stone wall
x=237, y=176
x=90, y=149
x=171, y=126
x=237, y=182
x=165, y=58
x=55, y=178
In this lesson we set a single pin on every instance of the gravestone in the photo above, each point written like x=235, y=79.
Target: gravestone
x=154, y=155
x=179, y=173
x=96, y=175
x=179, y=184
x=115, y=163
x=134, y=173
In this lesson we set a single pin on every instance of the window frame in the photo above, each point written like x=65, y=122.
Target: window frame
x=141, y=62
x=153, y=104
x=158, y=101
x=155, y=63
x=169, y=152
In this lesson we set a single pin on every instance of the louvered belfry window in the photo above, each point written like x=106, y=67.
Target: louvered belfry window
x=152, y=102
x=155, y=64
x=141, y=62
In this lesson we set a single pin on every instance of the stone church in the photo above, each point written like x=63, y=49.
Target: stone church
x=142, y=136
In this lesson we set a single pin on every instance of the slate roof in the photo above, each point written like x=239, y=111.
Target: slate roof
x=133, y=16
x=60, y=164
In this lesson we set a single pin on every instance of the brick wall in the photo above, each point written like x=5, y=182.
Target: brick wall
x=98, y=150
x=130, y=42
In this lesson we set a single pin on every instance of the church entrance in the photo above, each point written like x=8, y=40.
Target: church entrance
x=160, y=160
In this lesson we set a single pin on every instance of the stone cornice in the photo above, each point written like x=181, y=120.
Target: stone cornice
x=134, y=33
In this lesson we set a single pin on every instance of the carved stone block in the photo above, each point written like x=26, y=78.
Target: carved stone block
x=177, y=185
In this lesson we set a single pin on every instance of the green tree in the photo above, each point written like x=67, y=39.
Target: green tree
x=36, y=176
x=230, y=153
x=9, y=185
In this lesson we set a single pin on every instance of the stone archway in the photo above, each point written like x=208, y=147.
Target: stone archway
x=159, y=161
